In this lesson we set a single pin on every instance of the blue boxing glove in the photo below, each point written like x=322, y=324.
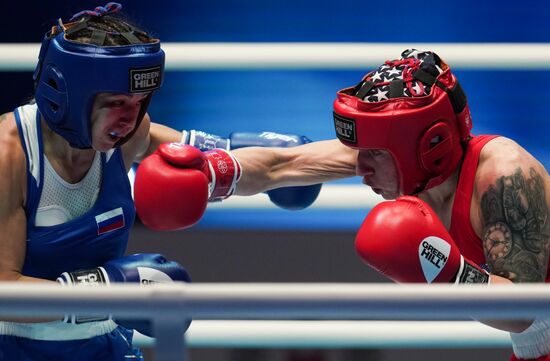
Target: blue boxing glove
x=204, y=141
x=292, y=198
x=141, y=268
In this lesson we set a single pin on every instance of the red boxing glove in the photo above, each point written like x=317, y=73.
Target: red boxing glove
x=405, y=240
x=174, y=184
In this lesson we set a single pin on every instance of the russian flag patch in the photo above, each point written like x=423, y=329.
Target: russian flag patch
x=110, y=221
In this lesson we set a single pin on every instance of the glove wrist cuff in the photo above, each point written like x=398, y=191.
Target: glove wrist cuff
x=204, y=141
x=225, y=172
x=91, y=277
x=470, y=273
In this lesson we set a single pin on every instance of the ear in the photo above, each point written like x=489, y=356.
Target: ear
x=51, y=94
x=436, y=147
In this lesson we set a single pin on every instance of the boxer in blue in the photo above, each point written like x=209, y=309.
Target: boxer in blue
x=67, y=208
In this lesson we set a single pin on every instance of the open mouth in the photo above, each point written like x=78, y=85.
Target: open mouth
x=114, y=136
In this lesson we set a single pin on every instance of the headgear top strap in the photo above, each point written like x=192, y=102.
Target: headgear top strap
x=396, y=88
x=98, y=36
x=110, y=8
x=364, y=88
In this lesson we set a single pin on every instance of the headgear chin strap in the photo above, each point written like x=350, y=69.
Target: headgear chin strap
x=70, y=74
x=416, y=110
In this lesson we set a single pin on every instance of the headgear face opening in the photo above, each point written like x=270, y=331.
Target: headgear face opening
x=416, y=110
x=70, y=74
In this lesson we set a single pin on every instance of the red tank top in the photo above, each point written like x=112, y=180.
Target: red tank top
x=470, y=245
x=461, y=230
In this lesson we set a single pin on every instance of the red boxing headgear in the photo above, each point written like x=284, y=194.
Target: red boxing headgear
x=416, y=110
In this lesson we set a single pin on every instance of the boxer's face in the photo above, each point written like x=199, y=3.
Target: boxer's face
x=379, y=172
x=113, y=117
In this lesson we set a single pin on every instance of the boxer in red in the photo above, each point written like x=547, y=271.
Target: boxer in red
x=460, y=208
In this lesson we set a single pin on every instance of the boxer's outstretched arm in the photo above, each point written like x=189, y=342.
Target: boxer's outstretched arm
x=269, y=168
x=317, y=162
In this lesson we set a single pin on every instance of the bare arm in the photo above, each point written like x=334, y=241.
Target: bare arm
x=12, y=193
x=12, y=214
x=268, y=168
x=514, y=191
x=317, y=162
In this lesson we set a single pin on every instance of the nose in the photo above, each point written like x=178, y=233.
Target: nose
x=129, y=115
x=126, y=123
x=363, y=168
x=364, y=171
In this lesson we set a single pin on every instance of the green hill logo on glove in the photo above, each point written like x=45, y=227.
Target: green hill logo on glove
x=433, y=253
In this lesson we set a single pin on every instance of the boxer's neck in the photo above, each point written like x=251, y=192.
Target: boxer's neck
x=441, y=197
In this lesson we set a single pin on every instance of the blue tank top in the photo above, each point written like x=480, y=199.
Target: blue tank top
x=88, y=241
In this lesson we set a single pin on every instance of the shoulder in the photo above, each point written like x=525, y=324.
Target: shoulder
x=10, y=143
x=503, y=157
x=12, y=159
x=509, y=176
x=512, y=192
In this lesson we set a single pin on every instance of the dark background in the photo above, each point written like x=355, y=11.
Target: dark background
x=315, y=245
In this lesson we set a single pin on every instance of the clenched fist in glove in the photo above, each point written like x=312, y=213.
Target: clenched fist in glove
x=292, y=198
x=174, y=184
x=405, y=240
x=141, y=268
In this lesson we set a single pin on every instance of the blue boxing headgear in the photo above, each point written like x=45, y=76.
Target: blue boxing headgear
x=70, y=74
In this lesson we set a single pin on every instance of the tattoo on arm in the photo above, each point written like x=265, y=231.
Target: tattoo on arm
x=517, y=227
